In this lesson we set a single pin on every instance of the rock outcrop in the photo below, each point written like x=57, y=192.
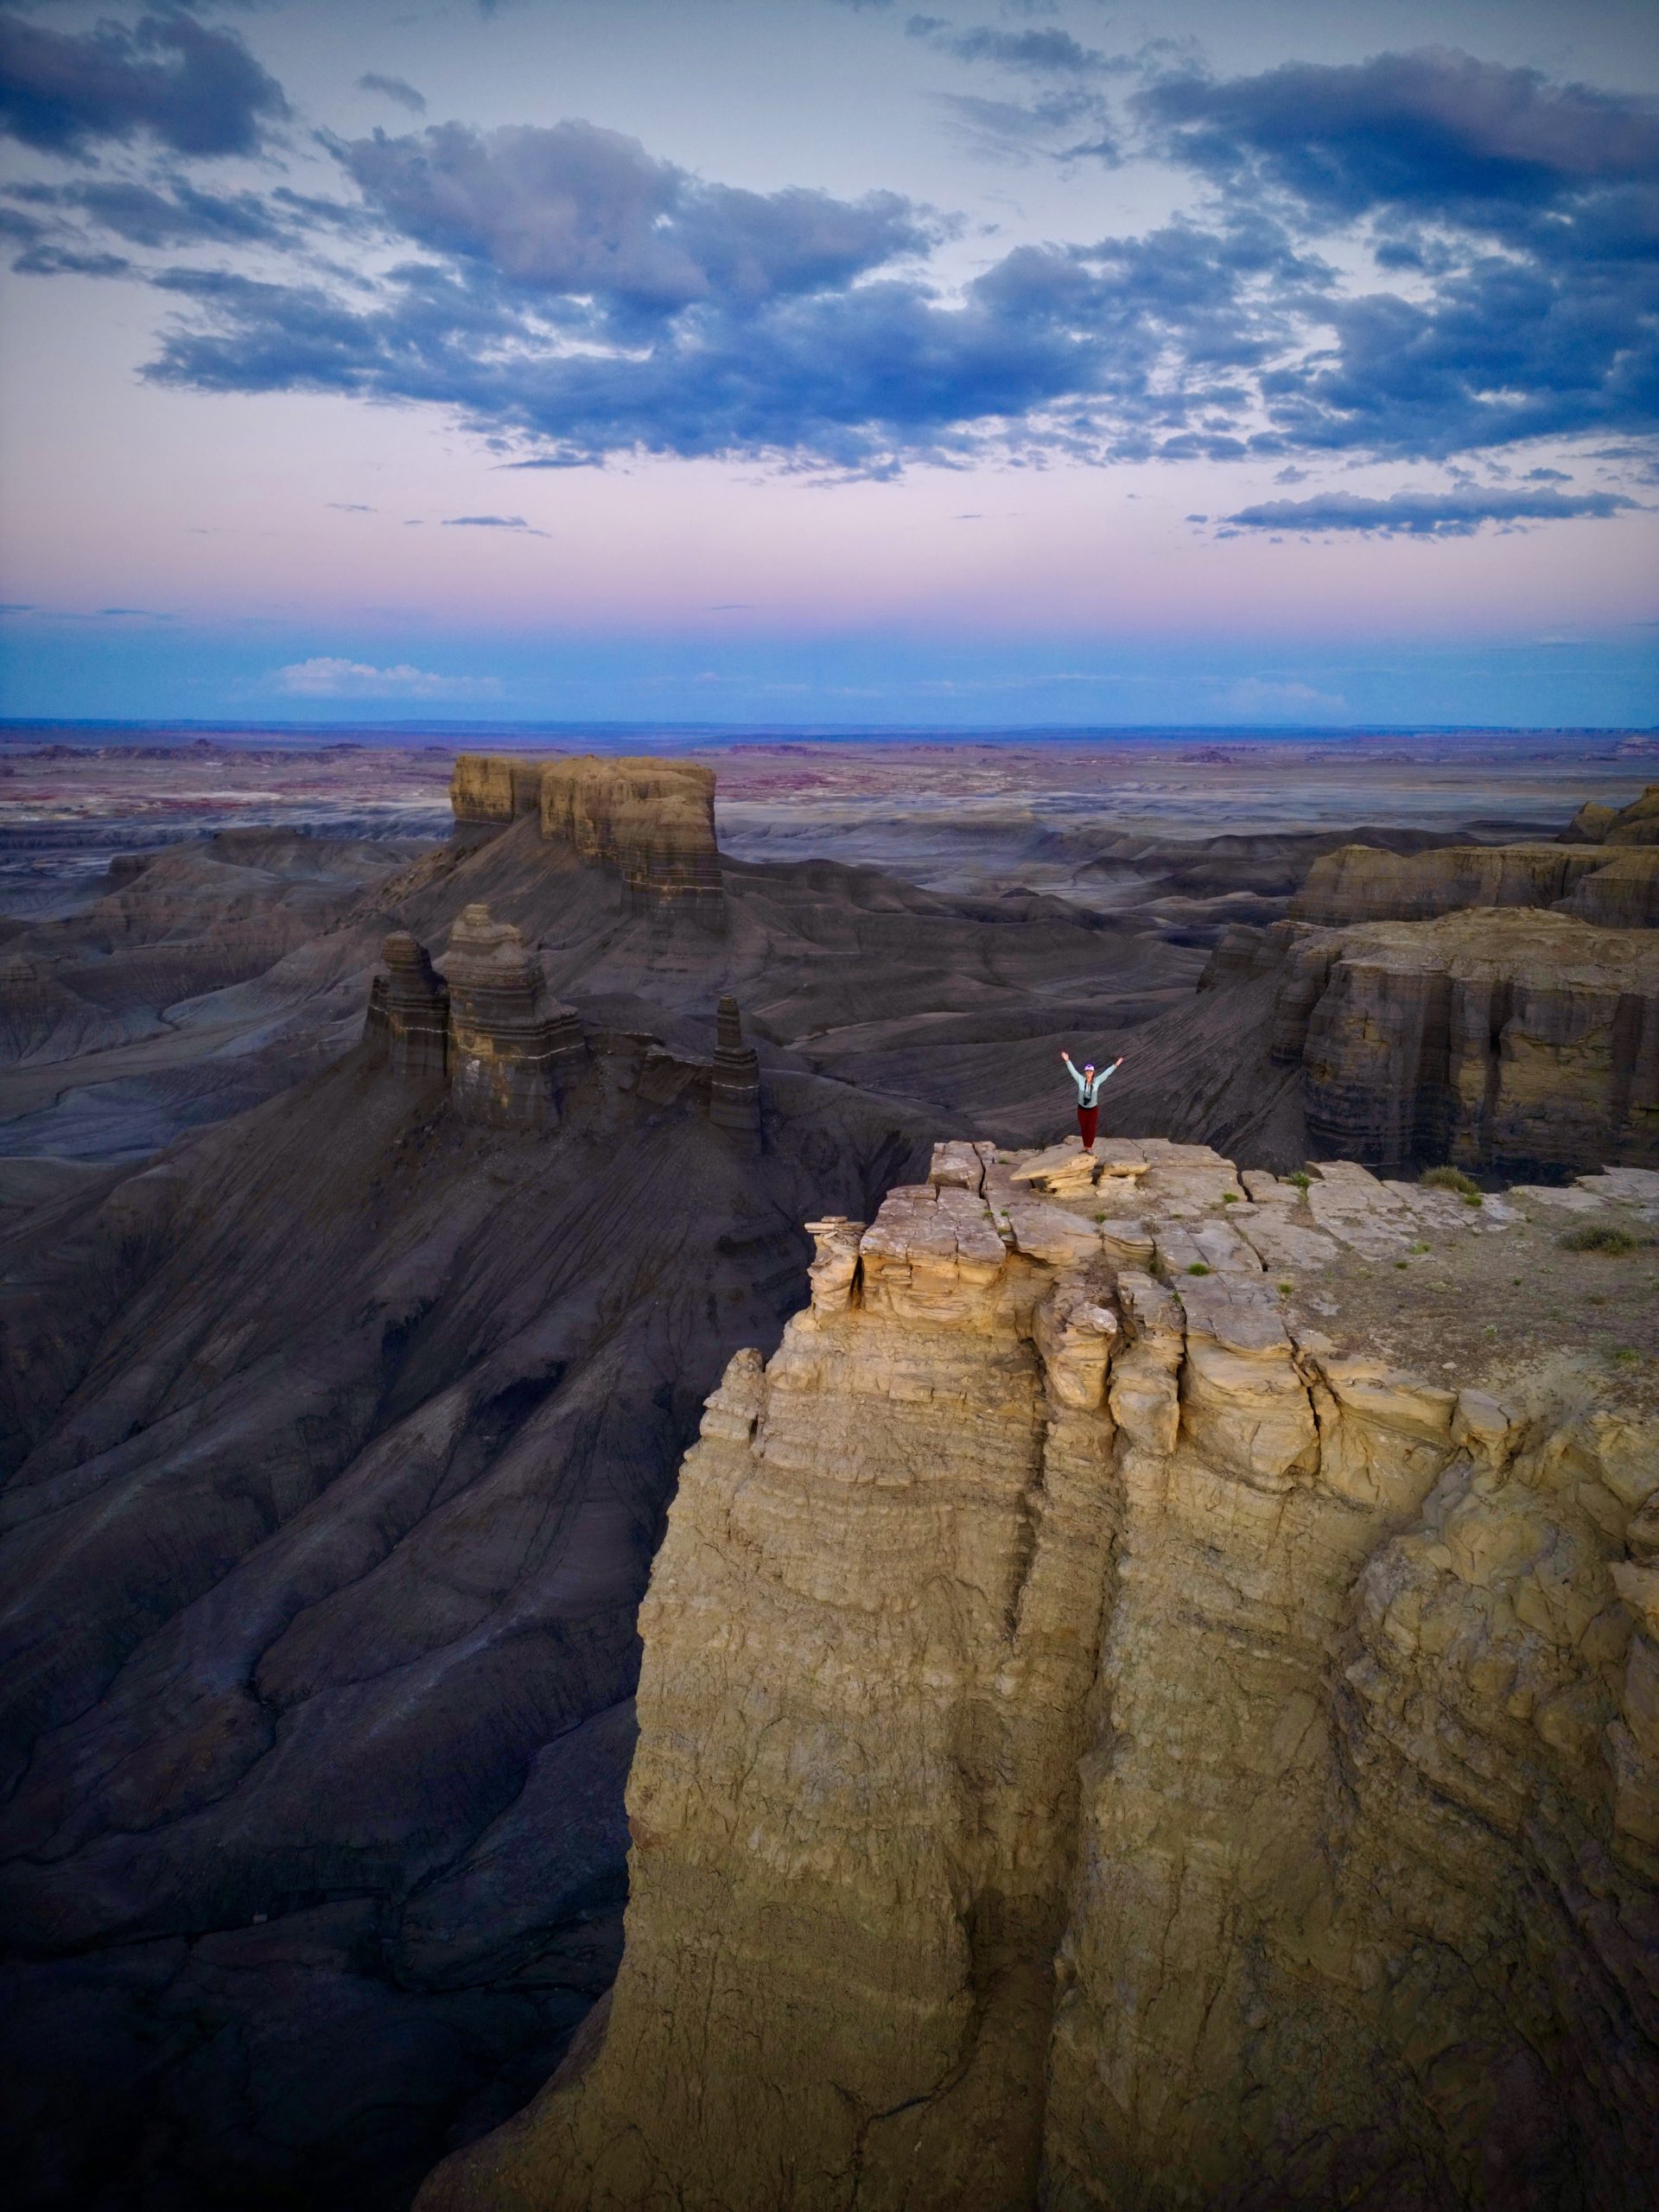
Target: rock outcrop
x=1503, y=1041
x=508, y=1046
x=488, y=789
x=647, y=821
x=734, y=1081
x=1636, y=824
x=409, y=1011
x=1360, y=883
x=1106, y=1740
x=651, y=822
x=1494, y=1040
x=1590, y=825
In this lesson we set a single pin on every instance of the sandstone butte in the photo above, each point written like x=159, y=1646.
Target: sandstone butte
x=648, y=821
x=1107, y=1741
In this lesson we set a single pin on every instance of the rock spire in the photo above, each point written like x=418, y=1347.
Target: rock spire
x=409, y=1011
x=507, y=1042
x=735, y=1084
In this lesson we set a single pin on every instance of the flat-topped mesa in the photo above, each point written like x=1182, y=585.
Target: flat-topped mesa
x=650, y=822
x=1104, y=1743
x=409, y=1011
x=508, y=1045
x=1616, y=888
x=488, y=790
x=735, y=1080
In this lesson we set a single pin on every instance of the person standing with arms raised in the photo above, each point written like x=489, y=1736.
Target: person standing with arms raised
x=1089, y=1084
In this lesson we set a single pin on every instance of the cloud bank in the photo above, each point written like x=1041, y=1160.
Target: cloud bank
x=325, y=678
x=1427, y=514
x=193, y=90
x=1422, y=257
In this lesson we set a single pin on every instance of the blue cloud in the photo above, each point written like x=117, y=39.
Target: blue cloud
x=393, y=88
x=1436, y=131
x=578, y=211
x=196, y=91
x=571, y=297
x=491, y=521
x=177, y=215
x=1039, y=53
x=1053, y=349
x=1425, y=514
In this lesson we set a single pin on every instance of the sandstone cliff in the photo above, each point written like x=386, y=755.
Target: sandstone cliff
x=1618, y=889
x=648, y=821
x=1496, y=1039
x=651, y=821
x=1115, y=1731
x=1500, y=1041
x=489, y=788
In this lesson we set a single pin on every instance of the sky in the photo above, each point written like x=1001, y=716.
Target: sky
x=807, y=362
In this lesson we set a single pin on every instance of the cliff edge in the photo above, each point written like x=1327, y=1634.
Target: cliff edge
x=1151, y=1696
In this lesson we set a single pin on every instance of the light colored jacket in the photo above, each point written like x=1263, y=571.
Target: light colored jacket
x=1089, y=1086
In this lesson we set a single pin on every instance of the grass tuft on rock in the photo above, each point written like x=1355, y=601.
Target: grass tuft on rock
x=1453, y=1179
x=1602, y=1237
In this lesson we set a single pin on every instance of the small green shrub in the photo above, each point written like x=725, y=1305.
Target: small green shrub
x=1230, y=1198
x=1198, y=1268
x=1601, y=1237
x=1401, y=1263
x=1300, y=1178
x=1285, y=1289
x=1453, y=1179
x=1625, y=1354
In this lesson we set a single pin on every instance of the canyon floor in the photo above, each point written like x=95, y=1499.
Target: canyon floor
x=339, y=1434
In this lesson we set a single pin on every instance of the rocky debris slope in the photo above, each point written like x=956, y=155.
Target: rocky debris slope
x=334, y=1448
x=1501, y=1041
x=1111, y=1733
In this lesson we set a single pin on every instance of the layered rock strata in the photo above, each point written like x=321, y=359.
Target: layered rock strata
x=490, y=790
x=650, y=822
x=409, y=1011
x=1498, y=1040
x=1103, y=1742
x=1617, y=889
x=735, y=1080
x=508, y=1045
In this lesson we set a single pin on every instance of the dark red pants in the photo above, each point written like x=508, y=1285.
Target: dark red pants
x=1087, y=1122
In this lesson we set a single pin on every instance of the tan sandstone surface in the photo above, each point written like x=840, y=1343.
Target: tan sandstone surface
x=1150, y=1698
x=1614, y=884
